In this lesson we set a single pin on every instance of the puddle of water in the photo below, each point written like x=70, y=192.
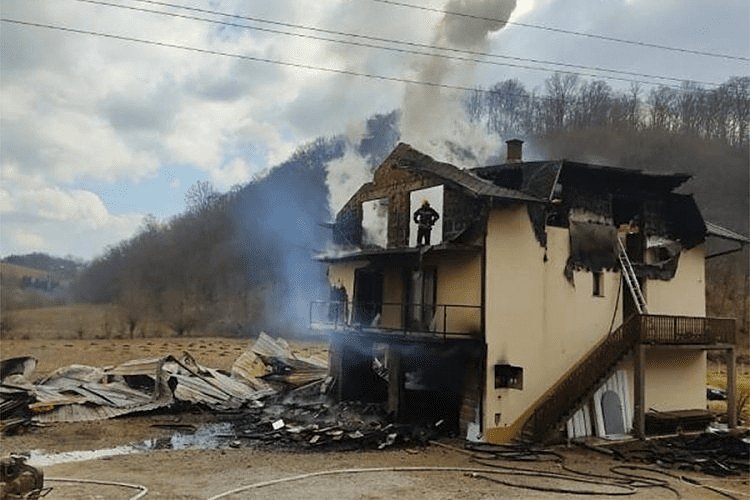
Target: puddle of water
x=210, y=437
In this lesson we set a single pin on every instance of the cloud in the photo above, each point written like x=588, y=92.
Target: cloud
x=38, y=216
x=26, y=240
x=87, y=110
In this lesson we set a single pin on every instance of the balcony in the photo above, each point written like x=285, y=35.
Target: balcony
x=438, y=321
x=685, y=330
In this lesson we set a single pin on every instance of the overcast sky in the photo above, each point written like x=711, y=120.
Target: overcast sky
x=98, y=131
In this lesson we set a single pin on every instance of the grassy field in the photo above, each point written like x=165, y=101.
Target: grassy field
x=11, y=275
x=717, y=377
x=80, y=321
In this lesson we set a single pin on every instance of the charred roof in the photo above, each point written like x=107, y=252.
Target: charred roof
x=538, y=178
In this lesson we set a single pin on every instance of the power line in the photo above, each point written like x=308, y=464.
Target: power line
x=391, y=41
x=566, y=32
x=261, y=59
x=239, y=56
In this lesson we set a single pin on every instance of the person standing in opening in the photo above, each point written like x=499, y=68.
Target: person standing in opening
x=425, y=217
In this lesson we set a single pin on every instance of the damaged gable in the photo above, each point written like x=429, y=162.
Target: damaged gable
x=402, y=181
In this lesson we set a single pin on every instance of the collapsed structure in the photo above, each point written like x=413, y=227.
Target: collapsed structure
x=553, y=298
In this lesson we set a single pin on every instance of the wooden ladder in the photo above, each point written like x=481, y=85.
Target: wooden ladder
x=631, y=279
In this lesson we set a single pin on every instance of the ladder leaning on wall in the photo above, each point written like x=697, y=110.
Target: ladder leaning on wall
x=630, y=278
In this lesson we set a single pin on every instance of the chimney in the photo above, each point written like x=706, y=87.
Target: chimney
x=514, y=150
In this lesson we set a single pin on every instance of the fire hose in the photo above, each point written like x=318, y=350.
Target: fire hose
x=142, y=493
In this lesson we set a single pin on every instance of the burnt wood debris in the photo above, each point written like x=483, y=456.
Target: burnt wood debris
x=272, y=397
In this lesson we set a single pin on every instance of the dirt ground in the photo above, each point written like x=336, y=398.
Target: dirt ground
x=435, y=471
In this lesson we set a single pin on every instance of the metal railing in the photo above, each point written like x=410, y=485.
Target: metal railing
x=579, y=382
x=396, y=316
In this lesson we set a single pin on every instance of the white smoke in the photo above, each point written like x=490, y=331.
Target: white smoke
x=375, y=222
x=347, y=174
x=433, y=119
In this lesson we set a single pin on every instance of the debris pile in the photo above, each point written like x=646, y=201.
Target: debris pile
x=715, y=453
x=79, y=393
x=271, y=396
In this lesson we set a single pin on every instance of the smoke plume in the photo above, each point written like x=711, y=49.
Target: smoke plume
x=433, y=118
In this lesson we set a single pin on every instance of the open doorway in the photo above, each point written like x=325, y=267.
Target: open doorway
x=368, y=296
x=421, y=294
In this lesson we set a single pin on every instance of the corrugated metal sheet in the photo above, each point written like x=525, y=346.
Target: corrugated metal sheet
x=250, y=368
x=90, y=412
x=80, y=393
x=618, y=383
x=267, y=346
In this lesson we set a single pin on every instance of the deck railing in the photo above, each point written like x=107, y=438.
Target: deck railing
x=663, y=329
x=397, y=317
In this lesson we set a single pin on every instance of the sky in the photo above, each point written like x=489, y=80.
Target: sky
x=110, y=110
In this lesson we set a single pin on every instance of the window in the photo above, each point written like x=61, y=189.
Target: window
x=598, y=284
x=508, y=376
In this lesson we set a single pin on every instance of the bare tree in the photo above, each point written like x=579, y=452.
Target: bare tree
x=507, y=102
x=661, y=102
x=200, y=196
x=738, y=90
x=593, y=105
x=561, y=90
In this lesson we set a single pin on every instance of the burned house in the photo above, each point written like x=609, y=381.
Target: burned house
x=553, y=298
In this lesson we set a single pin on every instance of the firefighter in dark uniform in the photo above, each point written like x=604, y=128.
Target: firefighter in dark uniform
x=425, y=217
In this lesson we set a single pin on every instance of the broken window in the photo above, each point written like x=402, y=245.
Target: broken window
x=508, y=376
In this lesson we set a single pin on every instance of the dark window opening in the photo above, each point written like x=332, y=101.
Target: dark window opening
x=625, y=211
x=508, y=376
x=421, y=295
x=598, y=284
x=368, y=296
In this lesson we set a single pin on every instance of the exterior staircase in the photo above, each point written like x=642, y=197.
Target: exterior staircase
x=580, y=382
x=577, y=385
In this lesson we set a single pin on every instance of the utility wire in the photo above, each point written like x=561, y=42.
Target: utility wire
x=566, y=32
x=391, y=41
x=285, y=63
x=239, y=56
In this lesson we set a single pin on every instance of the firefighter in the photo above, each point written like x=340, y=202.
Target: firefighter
x=425, y=217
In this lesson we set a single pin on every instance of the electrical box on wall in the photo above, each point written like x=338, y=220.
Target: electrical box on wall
x=508, y=377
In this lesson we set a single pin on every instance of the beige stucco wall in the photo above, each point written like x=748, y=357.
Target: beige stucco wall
x=536, y=318
x=459, y=283
x=342, y=274
x=675, y=379
x=393, y=298
x=683, y=295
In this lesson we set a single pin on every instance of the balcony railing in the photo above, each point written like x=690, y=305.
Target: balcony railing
x=662, y=329
x=443, y=319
